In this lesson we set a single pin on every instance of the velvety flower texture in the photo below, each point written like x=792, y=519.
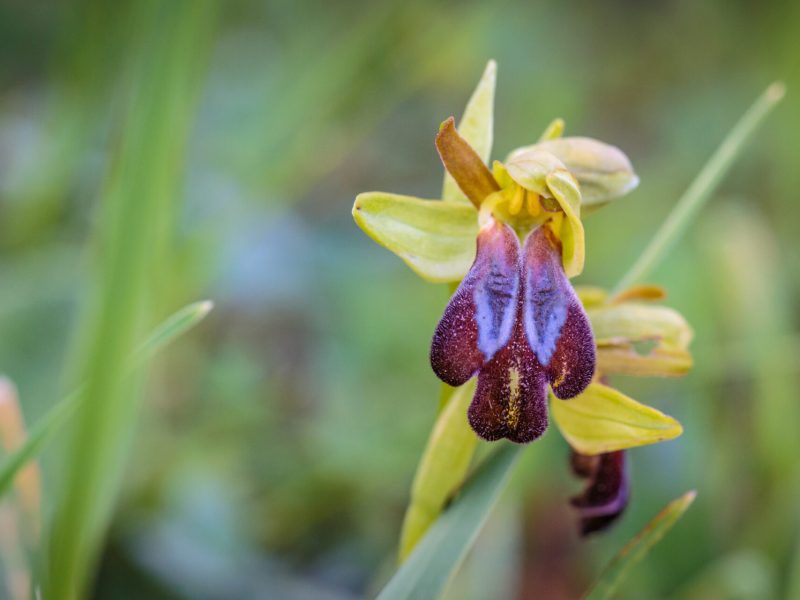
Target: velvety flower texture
x=515, y=321
x=607, y=493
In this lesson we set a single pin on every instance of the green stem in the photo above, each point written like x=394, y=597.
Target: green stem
x=702, y=187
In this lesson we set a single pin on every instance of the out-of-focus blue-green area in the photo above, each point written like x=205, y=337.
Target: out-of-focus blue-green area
x=276, y=449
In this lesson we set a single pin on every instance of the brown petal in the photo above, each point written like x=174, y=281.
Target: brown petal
x=557, y=328
x=479, y=319
x=464, y=164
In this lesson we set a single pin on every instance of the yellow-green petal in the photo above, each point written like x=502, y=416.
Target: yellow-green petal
x=631, y=322
x=476, y=126
x=623, y=332
x=603, y=171
x=545, y=174
x=530, y=170
x=602, y=419
x=627, y=360
x=553, y=131
x=565, y=190
x=442, y=469
x=435, y=238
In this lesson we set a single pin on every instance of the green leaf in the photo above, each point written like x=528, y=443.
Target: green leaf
x=437, y=557
x=476, y=127
x=602, y=419
x=635, y=550
x=442, y=468
x=435, y=238
x=43, y=430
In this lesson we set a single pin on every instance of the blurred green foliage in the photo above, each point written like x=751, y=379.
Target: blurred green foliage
x=275, y=451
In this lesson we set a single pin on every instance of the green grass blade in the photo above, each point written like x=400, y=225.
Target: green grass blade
x=173, y=327
x=703, y=186
x=41, y=433
x=160, y=86
x=635, y=550
x=437, y=557
x=36, y=439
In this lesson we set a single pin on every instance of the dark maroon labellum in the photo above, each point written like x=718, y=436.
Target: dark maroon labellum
x=516, y=321
x=607, y=493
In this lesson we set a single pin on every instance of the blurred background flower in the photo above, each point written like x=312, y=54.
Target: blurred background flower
x=278, y=441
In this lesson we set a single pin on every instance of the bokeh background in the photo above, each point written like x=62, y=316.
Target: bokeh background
x=278, y=440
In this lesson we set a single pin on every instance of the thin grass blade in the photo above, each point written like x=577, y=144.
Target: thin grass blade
x=635, y=550
x=703, y=186
x=41, y=433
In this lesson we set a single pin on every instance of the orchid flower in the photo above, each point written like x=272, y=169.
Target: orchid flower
x=514, y=320
x=511, y=237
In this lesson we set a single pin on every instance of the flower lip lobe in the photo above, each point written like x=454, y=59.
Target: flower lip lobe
x=511, y=396
x=556, y=326
x=479, y=319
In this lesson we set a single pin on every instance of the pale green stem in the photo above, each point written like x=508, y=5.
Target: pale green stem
x=702, y=187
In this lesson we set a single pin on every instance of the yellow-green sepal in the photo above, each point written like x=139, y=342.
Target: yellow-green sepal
x=603, y=171
x=476, y=127
x=622, y=329
x=435, y=238
x=602, y=419
x=442, y=469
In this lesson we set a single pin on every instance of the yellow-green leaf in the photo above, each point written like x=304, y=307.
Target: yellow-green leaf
x=476, y=126
x=442, y=469
x=436, y=239
x=602, y=419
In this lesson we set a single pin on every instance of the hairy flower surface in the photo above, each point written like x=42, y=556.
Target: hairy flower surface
x=517, y=322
